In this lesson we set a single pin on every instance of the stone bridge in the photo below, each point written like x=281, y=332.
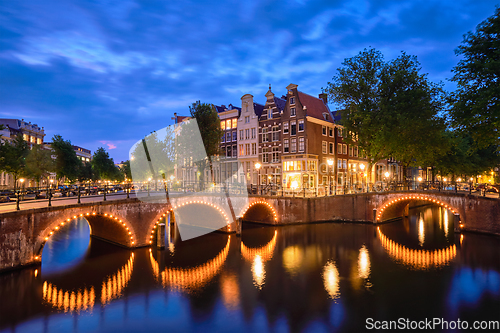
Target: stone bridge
x=132, y=223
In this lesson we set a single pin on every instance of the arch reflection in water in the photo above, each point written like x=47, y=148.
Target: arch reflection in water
x=82, y=299
x=190, y=279
x=67, y=247
x=112, y=288
x=258, y=256
x=417, y=259
x=331, y=280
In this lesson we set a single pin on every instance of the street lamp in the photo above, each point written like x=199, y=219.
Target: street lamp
x=257, y=166
x=330, y=163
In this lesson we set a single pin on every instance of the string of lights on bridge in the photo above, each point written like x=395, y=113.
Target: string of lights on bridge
x=68, y=220
x=413, y=197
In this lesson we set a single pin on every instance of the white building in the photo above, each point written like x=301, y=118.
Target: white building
x=248, y=140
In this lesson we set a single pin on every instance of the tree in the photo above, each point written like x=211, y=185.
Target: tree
x=103, y=166
x=356, y=89
x=67, y=163
x=210, y=131
x=476, y=103
x=126, y=170
x=411, y=128
x=39, y=163
x=13, y=157
x=389, y=108
x=85, y=172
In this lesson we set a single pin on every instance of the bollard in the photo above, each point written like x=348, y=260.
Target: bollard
x=160, y=236
x=79, y=195
x=239, y=223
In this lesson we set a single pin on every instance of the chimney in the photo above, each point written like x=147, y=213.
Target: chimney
x=324, y=97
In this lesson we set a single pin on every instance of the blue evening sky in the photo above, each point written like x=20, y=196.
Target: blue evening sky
x=106, y=73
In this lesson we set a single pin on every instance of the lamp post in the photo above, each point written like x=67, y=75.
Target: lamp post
x=257, y=166
x=330, y=164
x=387, y=174
x=362, y=167
x=19, y=193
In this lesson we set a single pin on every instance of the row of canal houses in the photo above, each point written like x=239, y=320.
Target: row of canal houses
x=293, y=141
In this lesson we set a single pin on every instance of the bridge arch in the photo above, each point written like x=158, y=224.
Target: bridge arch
x=259, y=211
x=108, y=227
x=394, y=206
x=179, y=204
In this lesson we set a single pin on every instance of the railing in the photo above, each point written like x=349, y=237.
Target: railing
x=51, y=195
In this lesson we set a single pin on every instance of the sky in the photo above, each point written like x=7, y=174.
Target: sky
x=106, y=73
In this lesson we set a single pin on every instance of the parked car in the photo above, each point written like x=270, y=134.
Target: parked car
x=4, y=198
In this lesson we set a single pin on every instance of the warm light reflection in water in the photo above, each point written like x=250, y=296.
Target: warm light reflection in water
x=84, y=299
x=189, y=279
x=258, y=256
x=331, y=280
x=292, y=259
x=446, y=223
x=417, y=259
x=265, y=252
x=230, y=291
x=113, y=287
x=421, y=231
x=258, y=272
x=363, y=263
x=69, y=300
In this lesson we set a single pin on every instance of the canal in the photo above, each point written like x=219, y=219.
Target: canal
x=321, y=277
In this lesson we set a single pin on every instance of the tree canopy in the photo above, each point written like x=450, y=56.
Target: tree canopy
x=476, y=103
x=390, y=109
x=13, y=157
x=67, y=163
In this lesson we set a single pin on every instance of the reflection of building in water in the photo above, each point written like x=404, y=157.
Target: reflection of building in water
x=258, y=256
x=230, y=290
x=418, y=259
x=292, y=259
x=84, y=299
x=331, y=280
x=188, y=279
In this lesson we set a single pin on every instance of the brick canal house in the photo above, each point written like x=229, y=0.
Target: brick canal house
x=270, y=145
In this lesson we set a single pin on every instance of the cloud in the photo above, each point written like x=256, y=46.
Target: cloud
x=113, y=71
x=110, y=144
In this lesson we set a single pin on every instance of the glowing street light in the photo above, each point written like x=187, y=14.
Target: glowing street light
x=419, y=179
x=257, y=166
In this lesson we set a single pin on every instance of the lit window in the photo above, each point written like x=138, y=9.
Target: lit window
x=223, y=125
x=301, y=125
x=228, y=124
x=235, y=122
x=241, y=150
